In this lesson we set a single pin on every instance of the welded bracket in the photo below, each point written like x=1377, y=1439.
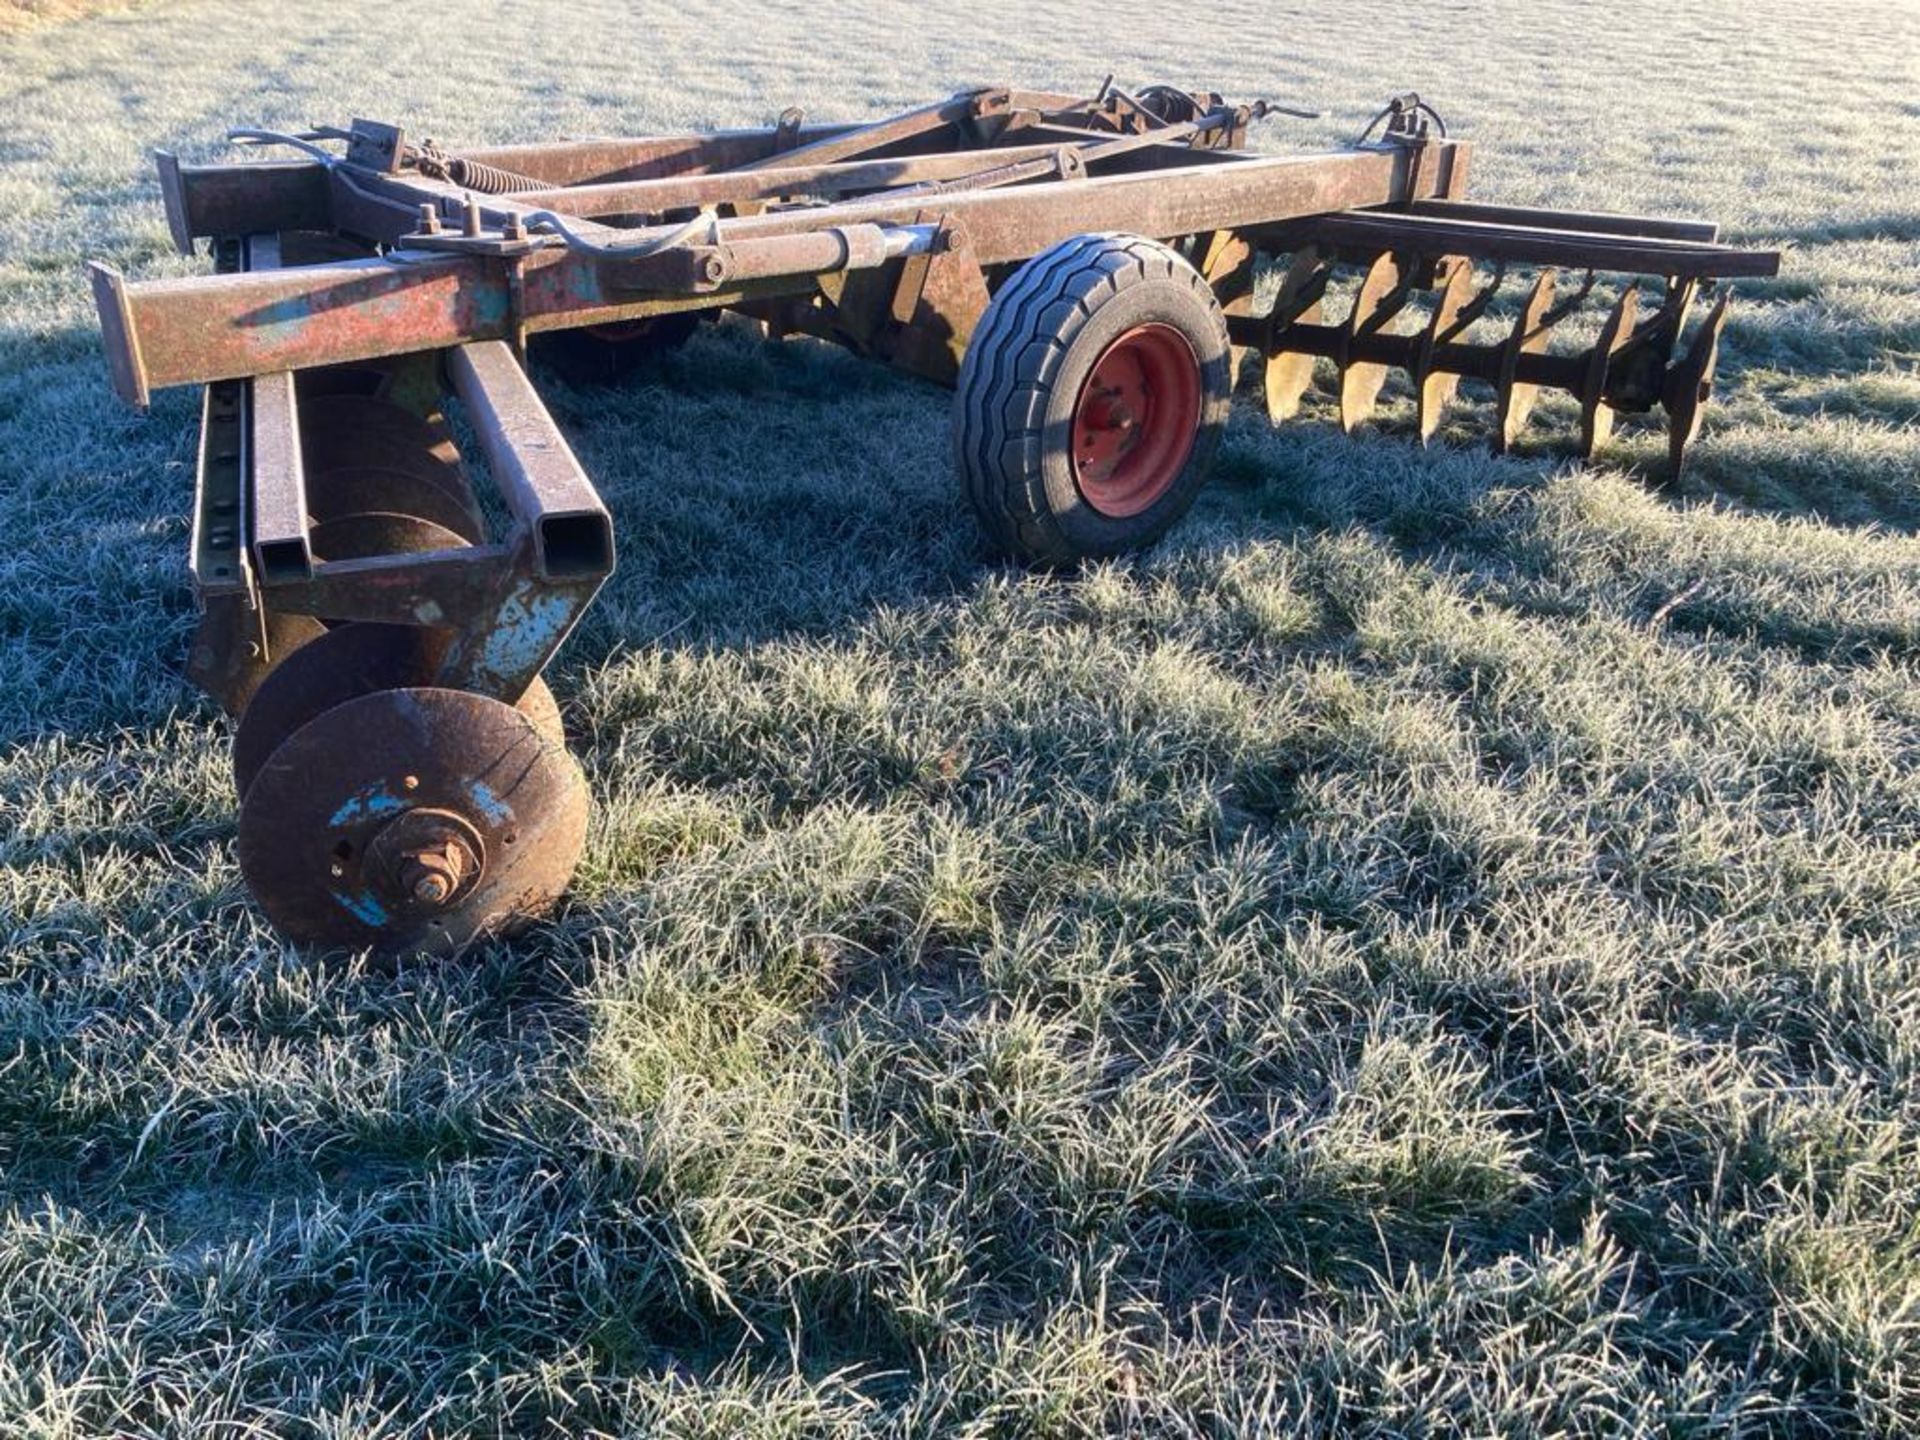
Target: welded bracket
x=937, y=302
x=562, y=545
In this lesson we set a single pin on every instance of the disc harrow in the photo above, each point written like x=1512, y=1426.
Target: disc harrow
x=1635, y=364
x=1083, y=271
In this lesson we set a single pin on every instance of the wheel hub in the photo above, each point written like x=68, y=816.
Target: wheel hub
x=1135, y=420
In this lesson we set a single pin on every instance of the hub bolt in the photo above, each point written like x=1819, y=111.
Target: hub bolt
x=432, y=875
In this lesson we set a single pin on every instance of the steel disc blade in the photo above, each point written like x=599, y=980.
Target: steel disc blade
x=343, y=664
x=1380, y=298
x=1514, y=398
x=355, y=488
x=1433, y=388
x=338, y=824
x=340, y=432
x=1689, y=386
x=357, y=536
x=226, y=658
x=1596, y=415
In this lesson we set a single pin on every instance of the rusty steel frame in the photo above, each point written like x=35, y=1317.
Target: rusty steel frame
x=205, y=328
x=887, y=237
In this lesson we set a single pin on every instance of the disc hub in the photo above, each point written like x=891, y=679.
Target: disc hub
x=426, y=858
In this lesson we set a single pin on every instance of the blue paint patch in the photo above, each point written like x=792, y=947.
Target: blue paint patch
x=526, y=628
x=491, y=805
x=364, y=908
x=374, y=800
x=491, y=307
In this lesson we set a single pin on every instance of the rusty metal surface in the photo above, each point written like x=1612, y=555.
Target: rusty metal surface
x=376, y=532
x=245, y=429
x=350, y=829
x=1630, y=367
x=398, y=489
x=825, y=181
x=1534, y=244
x=238, y=644
x=580, y=162
x=390, y=544
x=908, y=125
x=505, y=640
x=1588, y=221
x=436, y=587
x=264, y=196
x=206, y=328
x=277, y=488
x=545, y=489
x=343, y=664
x=217, y=555
x=343, y=431
x=125, y=365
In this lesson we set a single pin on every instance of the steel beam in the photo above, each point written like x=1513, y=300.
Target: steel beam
x=545, y=488
x=259, y=198
x=579, y=162
x=773, y=183
x=1593, y=221
x=1531, y=245
x=277, y=484
x=894, y=130
x=183, y=331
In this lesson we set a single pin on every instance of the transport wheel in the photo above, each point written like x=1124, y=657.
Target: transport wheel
x=412, y=821
x=345, y=663
x=1092, y=399
x=603, y=354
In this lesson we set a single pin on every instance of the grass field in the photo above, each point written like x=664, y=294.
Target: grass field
x=1433, y=949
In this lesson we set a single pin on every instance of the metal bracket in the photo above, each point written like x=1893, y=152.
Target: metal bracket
x=786, y=133
x=376, y=146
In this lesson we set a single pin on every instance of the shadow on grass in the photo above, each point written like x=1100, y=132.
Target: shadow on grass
x=761, y=495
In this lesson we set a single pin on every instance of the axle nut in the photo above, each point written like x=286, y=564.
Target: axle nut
x=426, y=857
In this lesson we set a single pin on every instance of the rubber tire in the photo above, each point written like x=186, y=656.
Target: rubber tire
x=1036, y=343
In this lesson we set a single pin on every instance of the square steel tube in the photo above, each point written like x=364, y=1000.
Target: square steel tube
x=264, y=197
x=277, y=481
x=552, y=501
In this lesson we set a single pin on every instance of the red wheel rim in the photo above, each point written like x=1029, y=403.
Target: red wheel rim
x=1135, y=419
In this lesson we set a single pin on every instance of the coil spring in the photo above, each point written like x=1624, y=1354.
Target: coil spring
x=487, y=179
